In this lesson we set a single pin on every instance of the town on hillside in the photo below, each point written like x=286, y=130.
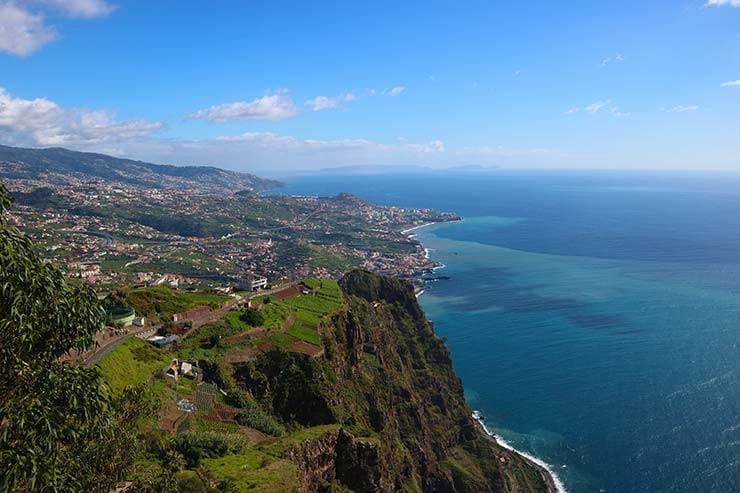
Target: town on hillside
x=112, y=234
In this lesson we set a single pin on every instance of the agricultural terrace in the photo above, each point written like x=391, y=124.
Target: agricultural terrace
x=301, y=315
x=161, y=302
x=230, y=433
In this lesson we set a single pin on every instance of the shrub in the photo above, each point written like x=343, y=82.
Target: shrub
x=235, y=398
x=254, y=417
x=252, y=317
x=195, y=446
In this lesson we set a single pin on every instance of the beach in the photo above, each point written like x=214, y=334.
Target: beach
x=409, y=230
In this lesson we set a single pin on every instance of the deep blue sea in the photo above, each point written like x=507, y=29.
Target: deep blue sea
x=594, y=318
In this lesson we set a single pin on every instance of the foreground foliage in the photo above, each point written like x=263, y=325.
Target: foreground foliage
x=58, y=430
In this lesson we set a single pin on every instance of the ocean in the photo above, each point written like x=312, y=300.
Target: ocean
x=594, y=317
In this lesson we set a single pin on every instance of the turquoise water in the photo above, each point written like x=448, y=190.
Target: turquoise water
x=593, y=318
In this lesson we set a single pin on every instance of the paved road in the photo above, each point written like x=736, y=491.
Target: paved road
x=109, y=346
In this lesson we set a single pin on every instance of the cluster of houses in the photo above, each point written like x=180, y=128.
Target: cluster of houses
x=83, y=270
x=171, y=280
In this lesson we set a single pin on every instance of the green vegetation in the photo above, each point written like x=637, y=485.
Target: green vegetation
x=58, y=430
x=253, y=416
x=305, y=334
x=202, y=298
x=274, y=313
x=202, y=424
x=312, y=283
x=465, y=467
x=195, y=446
x=252, y=317
x=131, y=363
x=42, y=198
x=253, y=470
x=163, y=301
x=32, y=162
x=281, y=445
x=300, y=315
x=233, y=319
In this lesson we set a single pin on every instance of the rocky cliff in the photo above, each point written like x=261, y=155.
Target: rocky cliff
x=392, y=408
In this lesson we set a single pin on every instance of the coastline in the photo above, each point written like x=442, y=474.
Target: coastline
x=409, y=230
x=554, y=484
x=419, y=282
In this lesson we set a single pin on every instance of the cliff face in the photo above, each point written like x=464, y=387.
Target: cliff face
x=386, y=386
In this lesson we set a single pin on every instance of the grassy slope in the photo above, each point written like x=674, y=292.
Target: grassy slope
x=131, y=363
x=253, y=470
x=162, y=301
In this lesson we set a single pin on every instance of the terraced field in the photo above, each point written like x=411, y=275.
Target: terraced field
x=299, y=316
x=292, y=323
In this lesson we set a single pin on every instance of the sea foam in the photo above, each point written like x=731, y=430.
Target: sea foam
x=547, y=467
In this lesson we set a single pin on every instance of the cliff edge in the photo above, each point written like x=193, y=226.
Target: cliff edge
x=382, y=408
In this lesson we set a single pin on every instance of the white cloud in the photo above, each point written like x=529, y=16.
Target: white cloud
x=43, y=122
x=602, y=106
x=22, y=32
x=616, y=58
x=388, y=91
x=394, y=91
x=597, y=106
x=324, y=102
x=276, y=106
x=86, y=9
x=279, y=142
x=719, y=3
x=680, y=108
x=430, y=147
x=273, y=153
x=731, y=83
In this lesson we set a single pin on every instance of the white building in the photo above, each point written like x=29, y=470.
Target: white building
x=252, y=282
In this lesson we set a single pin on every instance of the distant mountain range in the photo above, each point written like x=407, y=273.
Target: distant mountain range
x=58, y=165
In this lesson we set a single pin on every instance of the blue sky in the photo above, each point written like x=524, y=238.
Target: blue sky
x=275, y=87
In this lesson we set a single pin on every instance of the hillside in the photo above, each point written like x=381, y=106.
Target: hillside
x=342, y=387
x=62, y=166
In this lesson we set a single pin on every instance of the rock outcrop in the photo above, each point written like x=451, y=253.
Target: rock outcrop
x=397, y=417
